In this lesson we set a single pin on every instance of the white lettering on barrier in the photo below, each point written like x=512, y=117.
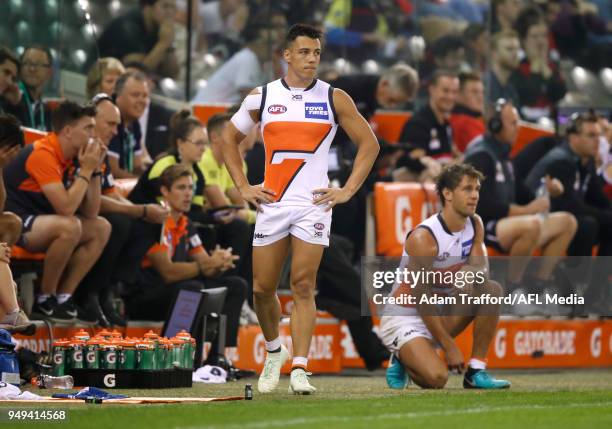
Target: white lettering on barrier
x=595, y=342
x=321, y=347
x=500, y=343
x=348, y=347
x=403, y=223
x=548, y=342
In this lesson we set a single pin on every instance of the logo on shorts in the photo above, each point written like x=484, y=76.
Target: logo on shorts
x=316, y=110
x=395, y=342
x=443, y=257
x=259, y=235
x=319, y=226
x=277, y=109
x=410, y=332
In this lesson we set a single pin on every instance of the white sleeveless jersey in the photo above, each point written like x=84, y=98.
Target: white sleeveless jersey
x=454, y=249
x=297, y=126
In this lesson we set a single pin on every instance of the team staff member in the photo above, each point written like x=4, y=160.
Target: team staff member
x=178, y=260
x=62, y=222
x=429, y=131
x=299, y=116
x=512, y=216
x=452, y=240
x=95, y=293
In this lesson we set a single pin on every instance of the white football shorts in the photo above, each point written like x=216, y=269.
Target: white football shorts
x=308, y=223
x=396, y=331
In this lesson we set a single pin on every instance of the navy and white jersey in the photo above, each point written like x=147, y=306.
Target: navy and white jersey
x=454, y=249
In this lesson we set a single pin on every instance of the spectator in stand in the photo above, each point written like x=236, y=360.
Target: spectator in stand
x=573, y=163
x=178, y=260
x=242, y=72
x=95, y=294
x=445, y=53
x=9, y=70
x=155, y=119
x=62, y=222
x=505, y=48
x=512, y=216
x=428, y=133
x=357, y=29
x=392, y=89
x=11, y=141
x=582, y=33
x=538, y=82
x=505, y=13
x=477, y=45
x=144, y=34
x=220, y=24
x=467, y=120
x=125, y=150
x=103, y=75
x=35, y=72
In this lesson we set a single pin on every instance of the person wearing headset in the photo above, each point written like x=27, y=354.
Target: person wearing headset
x=516, y=221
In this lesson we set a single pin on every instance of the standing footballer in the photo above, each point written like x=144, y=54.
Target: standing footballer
x=299, y=116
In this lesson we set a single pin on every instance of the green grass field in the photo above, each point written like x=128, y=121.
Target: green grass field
x=552, y=399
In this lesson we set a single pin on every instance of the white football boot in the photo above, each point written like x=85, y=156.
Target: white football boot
x=268, y=380
x=299, y=384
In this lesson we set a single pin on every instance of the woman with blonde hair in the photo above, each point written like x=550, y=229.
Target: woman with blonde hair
x=103, y=75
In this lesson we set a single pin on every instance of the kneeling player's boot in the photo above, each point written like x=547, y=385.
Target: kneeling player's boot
x=481, y=379
x=396, y=374
x=268, y=380
x=299, y=384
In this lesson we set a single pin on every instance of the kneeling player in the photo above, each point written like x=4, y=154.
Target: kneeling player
x=450, y=241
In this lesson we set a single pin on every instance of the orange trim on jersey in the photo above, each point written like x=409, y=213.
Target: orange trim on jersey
x=289, y=137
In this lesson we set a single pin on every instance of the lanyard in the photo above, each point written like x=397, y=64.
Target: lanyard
x=32, y=110
x=128, y=151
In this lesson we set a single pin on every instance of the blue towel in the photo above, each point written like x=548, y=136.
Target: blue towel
x=88, y=392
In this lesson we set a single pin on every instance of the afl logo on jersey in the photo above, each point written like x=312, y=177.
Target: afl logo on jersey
x=277, y=109
x=316, y=110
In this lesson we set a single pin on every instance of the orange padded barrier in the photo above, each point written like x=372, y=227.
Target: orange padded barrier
x=399, y=207
x=204, y=111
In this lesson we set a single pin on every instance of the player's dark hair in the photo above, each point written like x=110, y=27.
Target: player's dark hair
x=217, y=121
x=68, y=113
x=451, y=177
x=182, y=124
x=298, y=30
x=7, y=55
x=11, y=133
x=172, y=174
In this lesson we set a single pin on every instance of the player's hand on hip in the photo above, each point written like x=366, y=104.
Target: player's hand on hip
x=257, y=195
x=454, y=359
x=330, y=196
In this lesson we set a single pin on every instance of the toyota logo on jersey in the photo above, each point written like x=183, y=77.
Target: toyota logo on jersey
x=277, y=109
